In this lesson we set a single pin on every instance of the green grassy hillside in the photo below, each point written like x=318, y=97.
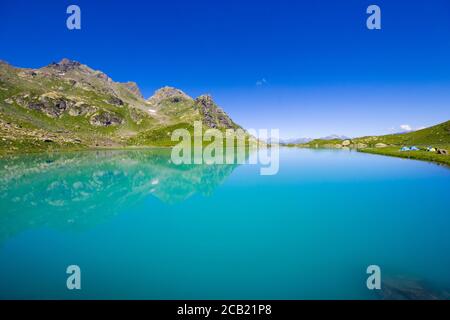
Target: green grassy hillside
x=437, y=136
x=67, y=105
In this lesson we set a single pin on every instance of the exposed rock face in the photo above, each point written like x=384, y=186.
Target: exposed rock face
x=133, y=87
x=68, y=92
x=53, y=104
x=81, y=109
x=106, y=119
x=103, y=76
x=213, y=116
x=346, y=143
x=53, y=107
x=175, y=95
x=115, y=101
x=65, y=65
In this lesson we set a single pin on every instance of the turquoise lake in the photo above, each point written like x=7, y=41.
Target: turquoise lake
x=141, y=227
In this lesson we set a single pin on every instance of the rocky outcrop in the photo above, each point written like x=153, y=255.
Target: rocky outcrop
x=65, y=65
x=212, y=115
x=81, y=109
x=133, y=88
x=67, y=90
x=168, y=93
x=106, y=119
x=115, y=101
x=103, y=76
x=442, y=151
x=51, y=105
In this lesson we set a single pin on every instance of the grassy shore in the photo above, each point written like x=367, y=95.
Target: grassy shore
x=417, y=155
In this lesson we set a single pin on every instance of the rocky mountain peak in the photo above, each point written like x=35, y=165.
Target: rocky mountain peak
x=205, y=100
x=65, y=65
x=213, y=116
x=168, y=93
x=133, y=87
x=78, y=98
x=68, y=62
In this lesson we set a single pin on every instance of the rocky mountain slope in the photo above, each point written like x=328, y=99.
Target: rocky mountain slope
x=69, y=105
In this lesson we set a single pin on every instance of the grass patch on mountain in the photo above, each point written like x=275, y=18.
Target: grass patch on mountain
x=159, y=136
x=435, y=135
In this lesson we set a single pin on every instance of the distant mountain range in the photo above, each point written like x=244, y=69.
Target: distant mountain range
x=306, y=139
x=68, y=104
x=334, y=137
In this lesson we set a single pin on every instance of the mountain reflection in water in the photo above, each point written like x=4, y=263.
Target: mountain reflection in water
x=78, y=190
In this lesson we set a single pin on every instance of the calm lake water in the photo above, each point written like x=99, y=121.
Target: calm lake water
x=140, y=227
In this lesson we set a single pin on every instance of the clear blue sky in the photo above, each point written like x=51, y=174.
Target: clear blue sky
x=324, y=72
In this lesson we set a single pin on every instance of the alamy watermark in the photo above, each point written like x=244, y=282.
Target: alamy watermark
x=73, y=22
x=74, y=280
x=231, y=146
x=374, y=20
x=374, y=280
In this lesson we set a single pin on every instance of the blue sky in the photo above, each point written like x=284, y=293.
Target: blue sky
x=309, y=68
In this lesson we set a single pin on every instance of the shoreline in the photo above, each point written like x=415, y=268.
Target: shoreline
x=443, y=160
x=66, y=150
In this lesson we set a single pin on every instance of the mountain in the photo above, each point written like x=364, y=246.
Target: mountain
x=70, y=105
x=291, y=141
x=335, y=137
x=100, y=184
x=436, y=135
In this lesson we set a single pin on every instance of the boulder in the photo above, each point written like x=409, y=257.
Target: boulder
x=442, y=151
x=380, y=145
